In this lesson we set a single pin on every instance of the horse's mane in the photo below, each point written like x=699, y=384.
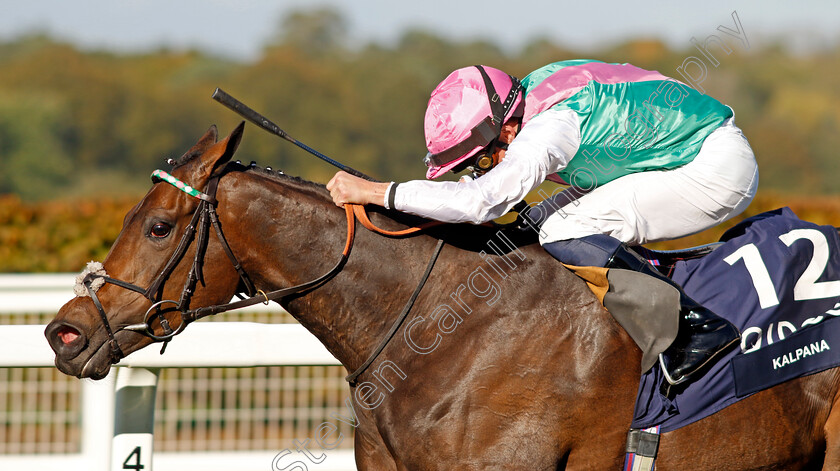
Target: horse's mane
x=465, y=236
x=277, y=176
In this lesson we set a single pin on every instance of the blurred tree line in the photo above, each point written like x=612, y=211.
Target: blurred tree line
x=76, y=123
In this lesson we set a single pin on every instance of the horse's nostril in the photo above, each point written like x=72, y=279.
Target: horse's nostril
x=65, y=339
x=67, y=334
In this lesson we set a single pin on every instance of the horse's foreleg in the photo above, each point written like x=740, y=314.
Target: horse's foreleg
x=372, y=454
x=832, y=438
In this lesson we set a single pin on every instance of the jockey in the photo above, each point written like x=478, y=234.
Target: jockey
x=647, y=158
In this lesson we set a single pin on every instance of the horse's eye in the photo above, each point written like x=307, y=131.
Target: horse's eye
x=160, y=230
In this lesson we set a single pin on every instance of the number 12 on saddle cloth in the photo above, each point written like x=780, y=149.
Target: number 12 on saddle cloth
x=777, y=278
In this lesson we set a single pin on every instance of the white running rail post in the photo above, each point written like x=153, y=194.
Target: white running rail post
x=134, y=421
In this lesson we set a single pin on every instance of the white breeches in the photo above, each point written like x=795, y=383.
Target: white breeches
x=660, y=205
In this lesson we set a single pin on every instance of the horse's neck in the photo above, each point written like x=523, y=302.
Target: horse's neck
x=291, y=234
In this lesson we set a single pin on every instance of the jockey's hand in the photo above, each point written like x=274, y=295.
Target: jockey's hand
x=345, y=188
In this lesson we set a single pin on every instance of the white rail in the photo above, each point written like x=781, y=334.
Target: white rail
x=228, y=344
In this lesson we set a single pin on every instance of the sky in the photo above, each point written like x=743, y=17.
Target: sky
x=239, y=28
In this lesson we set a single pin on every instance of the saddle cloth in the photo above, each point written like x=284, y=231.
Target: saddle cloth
x=776, y=278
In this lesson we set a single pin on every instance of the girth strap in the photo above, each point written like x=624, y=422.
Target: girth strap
x=351, y=378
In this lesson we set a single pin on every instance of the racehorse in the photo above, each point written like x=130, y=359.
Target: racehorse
x=505, y=361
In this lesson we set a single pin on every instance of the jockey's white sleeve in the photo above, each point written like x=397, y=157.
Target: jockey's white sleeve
x=543, y=146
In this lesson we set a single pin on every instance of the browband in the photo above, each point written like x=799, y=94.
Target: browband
x=161, y=176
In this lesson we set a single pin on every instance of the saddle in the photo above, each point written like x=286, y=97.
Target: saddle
x=645, y=308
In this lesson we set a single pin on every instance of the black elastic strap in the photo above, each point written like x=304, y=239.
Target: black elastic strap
x=392, y=194
x=500, y=109
x=642, y=443
x=496, y=106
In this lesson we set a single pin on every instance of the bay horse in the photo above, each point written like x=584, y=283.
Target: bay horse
x=506, y=360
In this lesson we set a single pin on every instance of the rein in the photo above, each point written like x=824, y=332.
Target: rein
x=362, y=216
x=205, y=215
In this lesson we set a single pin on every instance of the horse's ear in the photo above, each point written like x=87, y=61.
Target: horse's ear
x=231, y=143
x=215, y=158
x=207, y=156
x=208, y=139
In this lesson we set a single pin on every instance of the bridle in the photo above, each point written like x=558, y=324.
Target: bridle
x=204, y=216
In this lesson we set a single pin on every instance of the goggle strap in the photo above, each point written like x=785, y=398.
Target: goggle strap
x=480, y=135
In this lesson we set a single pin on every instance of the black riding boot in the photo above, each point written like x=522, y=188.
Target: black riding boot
x=702, y=335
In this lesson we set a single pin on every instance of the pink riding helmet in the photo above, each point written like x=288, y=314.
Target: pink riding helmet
x=460, y=116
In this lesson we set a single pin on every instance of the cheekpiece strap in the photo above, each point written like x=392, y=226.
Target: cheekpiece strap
x=160, y=175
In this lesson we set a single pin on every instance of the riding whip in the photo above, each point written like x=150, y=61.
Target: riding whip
x=261, y=121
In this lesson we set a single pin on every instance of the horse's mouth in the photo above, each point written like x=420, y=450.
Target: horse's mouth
x=98, y=364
